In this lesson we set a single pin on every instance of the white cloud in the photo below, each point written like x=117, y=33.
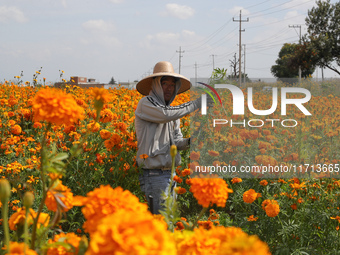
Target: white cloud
x=236, y=11
x=168, y=40
x=187, y=33
x=99, y=26
x=9, y=13
x=163, y=37
x=179, y=11
x=63, y=3
x=117, y=1
x=101, y=32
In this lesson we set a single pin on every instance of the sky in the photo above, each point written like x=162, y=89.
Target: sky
x=124, y=39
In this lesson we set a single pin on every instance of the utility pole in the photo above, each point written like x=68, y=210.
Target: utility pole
x=240, y=45
x=180, y=56
x=298, y=26
x=213, y=56
x=244, y=64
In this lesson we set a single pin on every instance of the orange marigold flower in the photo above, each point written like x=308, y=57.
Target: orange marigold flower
x=249, y=196
x=11, y=123
x=213, y=215
x=252, y=218
x=59, y=196
x=104, y=201
x=16, y=248
x=179, y=226
x=143, y=156
x=194, y=156
x=55, y=176
x=16, y=130
x=186, y=172
x=18, y=218
x=205, y=224
x=263, y=183
x=266, y=132
x=300, y=200
x=121, y=126
x=271, y=207
x=106, y=116
x=254, y=134
x=293, y=206
x=264, y=145
x=93, y=126
x=210, y=191
x=114, y=142
x=267, y=202
x=236, y=180
x=37, y=125
x=69, y=129
x=56, y=106
x=104, y=134
x=193, y=165
x=298, y=186
x=213, y=153
x=71, y=241
x=180, y=190
x=219, y=240
x=121, y=232
x=178, y=179
x=336, y=218
x=12, y=101
x=272, y=210
x=101, y=96
x=43, y=220
x=265, y=160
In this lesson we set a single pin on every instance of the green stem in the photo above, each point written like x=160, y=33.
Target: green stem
x=44, y=189
x=5, y=221
x=26, y=229
x=172, y=177
x=200, y=215
x=287, y=237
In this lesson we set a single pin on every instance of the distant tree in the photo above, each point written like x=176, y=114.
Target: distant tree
x=218, y=75
x=112, y=81
x=234, y=68
x=323, y=26
x=291, y=56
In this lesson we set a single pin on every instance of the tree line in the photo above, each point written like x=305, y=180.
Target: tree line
x=319, y=47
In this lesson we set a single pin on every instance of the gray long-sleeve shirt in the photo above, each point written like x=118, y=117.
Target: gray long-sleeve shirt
x=157, y=126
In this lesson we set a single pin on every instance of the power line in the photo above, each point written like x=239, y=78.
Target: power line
x=281, y=9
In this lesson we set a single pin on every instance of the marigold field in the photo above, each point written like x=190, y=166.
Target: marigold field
x=69, y=179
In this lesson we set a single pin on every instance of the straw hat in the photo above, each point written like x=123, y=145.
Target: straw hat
x=162, y=68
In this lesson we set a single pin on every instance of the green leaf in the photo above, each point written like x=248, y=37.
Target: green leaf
x=59, y=157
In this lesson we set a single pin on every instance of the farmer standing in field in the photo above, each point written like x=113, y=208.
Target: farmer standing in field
x=158, y=127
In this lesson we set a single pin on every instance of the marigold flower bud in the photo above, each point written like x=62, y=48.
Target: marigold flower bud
x=98, y=104
x=5, y=189
x=173, y=151
x=28, y=199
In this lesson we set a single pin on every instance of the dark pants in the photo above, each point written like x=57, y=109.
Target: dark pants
x=155, y=184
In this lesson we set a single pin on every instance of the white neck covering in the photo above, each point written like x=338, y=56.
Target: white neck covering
x=157, y=90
